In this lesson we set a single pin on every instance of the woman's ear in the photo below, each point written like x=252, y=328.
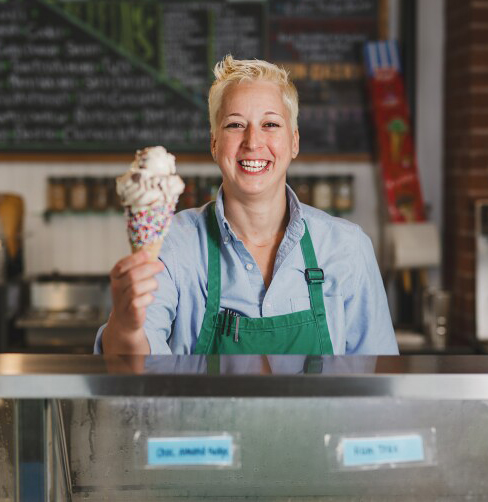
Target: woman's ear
x=295, y=148
x=212, y=146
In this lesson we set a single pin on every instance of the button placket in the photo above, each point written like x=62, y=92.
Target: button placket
x=266, y=306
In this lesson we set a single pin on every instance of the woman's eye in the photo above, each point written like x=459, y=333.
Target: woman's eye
x=271, y=124
x=233, y=125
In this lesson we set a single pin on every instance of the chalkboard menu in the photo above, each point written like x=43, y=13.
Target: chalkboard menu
x=115, y=75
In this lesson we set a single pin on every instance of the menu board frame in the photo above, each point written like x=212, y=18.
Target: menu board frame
x=64, y=156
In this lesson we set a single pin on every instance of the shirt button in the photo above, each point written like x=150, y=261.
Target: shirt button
x=249, y=266
x=226, y=239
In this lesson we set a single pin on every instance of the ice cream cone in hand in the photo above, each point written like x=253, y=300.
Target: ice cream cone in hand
x=153, y=249
x=149, y=192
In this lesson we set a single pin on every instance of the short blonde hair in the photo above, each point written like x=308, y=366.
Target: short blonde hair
x=234, y=71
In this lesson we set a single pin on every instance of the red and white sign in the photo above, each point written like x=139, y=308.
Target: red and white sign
x=396, y=153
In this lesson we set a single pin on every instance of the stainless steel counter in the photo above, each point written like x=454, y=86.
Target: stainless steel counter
x=289, y=421
x=82, y=376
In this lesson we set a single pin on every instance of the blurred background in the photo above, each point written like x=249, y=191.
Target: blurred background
x=85, y=83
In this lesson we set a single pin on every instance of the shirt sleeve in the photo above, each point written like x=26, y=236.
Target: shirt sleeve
x=162, y=312
x=97, y=349
x=369, y=329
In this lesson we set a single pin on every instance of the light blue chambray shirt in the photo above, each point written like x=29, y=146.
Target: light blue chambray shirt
x=354, y=296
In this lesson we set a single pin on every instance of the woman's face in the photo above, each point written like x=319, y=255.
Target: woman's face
x=253, y=143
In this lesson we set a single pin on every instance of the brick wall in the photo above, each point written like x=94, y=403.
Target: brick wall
x=466, y=153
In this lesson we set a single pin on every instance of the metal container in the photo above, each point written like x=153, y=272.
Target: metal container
x=481, y=279
x=64, y=312
x=66, y=295
x=435, y=312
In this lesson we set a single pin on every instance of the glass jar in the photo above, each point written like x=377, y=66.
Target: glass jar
x=208, y=189
x=188, y=198
x=322, y=194
x=113, y=197
x=78, y=200
x=99, y=194
x=57, y=194
x=204, y=190
x=343, y=194
x=302, y=190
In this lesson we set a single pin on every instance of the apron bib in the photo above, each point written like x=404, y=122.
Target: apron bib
x=304, y=332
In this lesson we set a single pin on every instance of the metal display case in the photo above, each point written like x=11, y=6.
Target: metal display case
x=250, y=428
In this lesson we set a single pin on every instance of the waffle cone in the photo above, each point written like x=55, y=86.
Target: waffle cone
x=147, y=228
x=153, y=248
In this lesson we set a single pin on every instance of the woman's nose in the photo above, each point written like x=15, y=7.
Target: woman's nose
x=252, y=138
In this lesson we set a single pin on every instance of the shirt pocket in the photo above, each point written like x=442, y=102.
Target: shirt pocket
x=334, y=311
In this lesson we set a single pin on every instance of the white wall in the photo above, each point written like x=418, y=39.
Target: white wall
x=85, y=243
x=92, y=243
x=429, y=136
x=394, y=19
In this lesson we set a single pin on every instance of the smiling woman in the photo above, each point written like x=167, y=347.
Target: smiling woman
x=257, y=272
x=253, y=142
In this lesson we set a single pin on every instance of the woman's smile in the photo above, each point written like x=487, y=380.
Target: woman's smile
x=254, y=167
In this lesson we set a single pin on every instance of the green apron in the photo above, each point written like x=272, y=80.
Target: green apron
x=304, y=332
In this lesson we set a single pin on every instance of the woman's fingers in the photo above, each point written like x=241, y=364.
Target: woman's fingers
x=127, y=263
x=132, y=284
x=144, y=286
x=136, y=290
x=139, y=273
x=136, y=266
x=136, y=309
x=142, y=301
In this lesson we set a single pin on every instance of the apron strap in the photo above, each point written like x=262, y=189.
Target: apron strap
x=315, y=278
x=313, y=275
x=213, y=364
x=213, y=276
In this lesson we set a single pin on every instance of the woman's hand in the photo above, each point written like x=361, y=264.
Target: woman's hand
x=132, y=283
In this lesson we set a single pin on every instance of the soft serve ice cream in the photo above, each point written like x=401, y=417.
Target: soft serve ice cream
x=151, y=179
x=149, y=191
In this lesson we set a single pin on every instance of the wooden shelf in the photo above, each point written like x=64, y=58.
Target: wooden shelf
x=49, y=213
x=198, y=158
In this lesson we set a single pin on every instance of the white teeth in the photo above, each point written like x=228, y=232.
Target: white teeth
x=253, y=166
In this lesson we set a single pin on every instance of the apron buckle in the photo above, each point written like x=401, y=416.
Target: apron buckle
x=314, y=275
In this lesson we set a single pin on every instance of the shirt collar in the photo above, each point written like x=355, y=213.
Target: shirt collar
x=295, y=225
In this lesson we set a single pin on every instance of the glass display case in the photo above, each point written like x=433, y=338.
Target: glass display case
x=250, y=428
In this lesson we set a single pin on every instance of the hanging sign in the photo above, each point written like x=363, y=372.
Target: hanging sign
x=398, y=164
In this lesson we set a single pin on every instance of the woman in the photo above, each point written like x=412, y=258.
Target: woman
x=257, y=272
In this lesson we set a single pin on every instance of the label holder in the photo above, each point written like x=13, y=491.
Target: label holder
x=187, y=450
x=381, y=450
